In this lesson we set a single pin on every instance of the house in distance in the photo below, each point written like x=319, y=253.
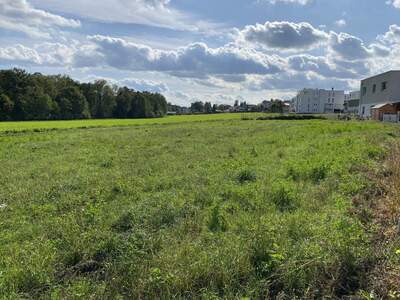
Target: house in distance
x=318, y=101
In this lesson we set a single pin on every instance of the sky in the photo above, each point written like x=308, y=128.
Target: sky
x=208, y=50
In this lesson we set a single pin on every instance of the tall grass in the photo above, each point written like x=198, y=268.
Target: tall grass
x=214, y=209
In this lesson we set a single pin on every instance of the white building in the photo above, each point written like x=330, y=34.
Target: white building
x=318, y=101
x=352, y=102
x=379, y=89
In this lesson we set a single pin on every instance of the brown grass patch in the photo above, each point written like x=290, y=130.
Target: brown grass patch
x=379, y=209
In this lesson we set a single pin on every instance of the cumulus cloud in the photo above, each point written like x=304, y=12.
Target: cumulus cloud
x=294, y=81
x=19, y=15
x=395, y=3
x=350, y=47
x=320, y=65
x=45, y=54
x=392, y=36
x=284, y=35
x=191, y=61
x=144, y=85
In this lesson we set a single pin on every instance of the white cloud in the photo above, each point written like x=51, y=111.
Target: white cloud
x=301, y=2
x=284, y=35
x=395, y=3
x=294, y=81
x=144, y=85
x=341, y=23
x=392, y=36
x=194, y=60
x=158, y=13
x=321, y=66
x=349, y=47
x=45, y=54
x=19, y=54
x=19, y=15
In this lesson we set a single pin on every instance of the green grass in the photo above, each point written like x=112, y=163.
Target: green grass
x=43, y=125
x=223, y=208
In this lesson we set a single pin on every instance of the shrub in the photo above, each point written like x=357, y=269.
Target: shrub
x=284, y=196
x=265, y=256
x=318, y=173
x=216, y=221
x=246, y=176
x=124, y=223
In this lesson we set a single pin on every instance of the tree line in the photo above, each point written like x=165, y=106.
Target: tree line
x=25, y=96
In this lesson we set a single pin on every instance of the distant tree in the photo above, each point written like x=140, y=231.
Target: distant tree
x=6, y=107
x=277, y=106
x=160, y=106
x=35, y=96
x=123, y=100
x=37, y=105
x=236, y=103
x=214, y=108
x=208, y=108
x=72, y=104
x=197, y=107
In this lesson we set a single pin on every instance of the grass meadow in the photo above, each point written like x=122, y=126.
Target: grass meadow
x=176, y=208
x=10, y=127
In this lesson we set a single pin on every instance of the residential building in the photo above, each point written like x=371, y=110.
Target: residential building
x=318, y=101
x=286, y=107
x=352, y=102
x=380, y=89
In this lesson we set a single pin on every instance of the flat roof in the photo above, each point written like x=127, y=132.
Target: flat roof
x=391, y=71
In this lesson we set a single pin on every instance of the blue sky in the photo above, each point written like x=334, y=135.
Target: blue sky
x=205, y=50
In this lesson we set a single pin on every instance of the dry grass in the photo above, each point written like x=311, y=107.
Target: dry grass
x=382, y=208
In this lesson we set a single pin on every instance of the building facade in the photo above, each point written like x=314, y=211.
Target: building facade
x=379, y=89
x=318, y=101
x=352, y=102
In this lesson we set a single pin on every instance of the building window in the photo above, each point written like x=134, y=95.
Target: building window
x=363, y=110
x=364, y=90
x=374, y=88
x=384, y=86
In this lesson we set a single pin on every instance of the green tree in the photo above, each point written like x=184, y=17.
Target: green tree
x=208, y=108
x=37, y=105
x=72, y=104
x=6, y=107
x=197, y=107
x=123, y=104
x=277, y=106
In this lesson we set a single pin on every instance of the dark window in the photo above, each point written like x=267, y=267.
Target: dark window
x=384, y=86
x=374, y=88
x=364, y=90
x=363, y=110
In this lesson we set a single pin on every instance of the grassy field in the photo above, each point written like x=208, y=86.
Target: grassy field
x=224, y=208
x=92, y=123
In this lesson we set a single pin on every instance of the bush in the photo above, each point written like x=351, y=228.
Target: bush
x=291, y=117
x=216, y=221
x=247, y=176
x=318, y=173
x=284, y=196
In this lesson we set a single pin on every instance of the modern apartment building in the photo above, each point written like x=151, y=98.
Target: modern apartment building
x=379, y=89
x=352, y=102
x=318, y=101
